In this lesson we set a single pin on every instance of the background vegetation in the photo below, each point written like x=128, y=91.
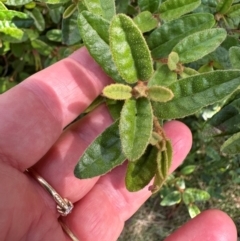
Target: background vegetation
x=36, y=34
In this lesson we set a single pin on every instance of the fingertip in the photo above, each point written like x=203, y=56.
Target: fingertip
x=213, y=225
x=181, y=138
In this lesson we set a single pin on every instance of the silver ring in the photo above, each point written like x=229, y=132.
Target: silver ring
x=64, y=206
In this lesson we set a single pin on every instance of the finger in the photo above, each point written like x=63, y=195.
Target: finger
x=101, y=214
x=58, y=164
x=211, y=225
x=34, y=112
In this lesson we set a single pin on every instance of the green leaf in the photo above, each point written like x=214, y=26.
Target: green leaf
x=11, y=31
x=180, y=183
x=164, y=161
x=30, y=5
x=162, y=40
x=55, y=1
x=206, y=68
x=15, y=19
x=223, y=6
x=188, y=72
x=136, y=121
x=195, y=92
x=70, y=33
x=41, y=47
x=196, y=195
x=188, y=169
x=234, y=11
x=145, y=21
x=199, y=44
x=2, y=7
x=149, y=5
x=118, y=92
x=69, y=10
x=17, y=2
x=173, y=60
x=163, y=76
x=102, y=155
x=234, y=54
x=187, y=198
x=173, y=9
x=56, y=13
x=141, y=171
x=98, y=101
x=5, y=84
x=115, y=107
x=171, y=199
x=103, y=8
x=94, y=31
x=193, y=211
x=54, y=35
x=122, y=6
x=228, y=118
x=129, y=50
x=159, y=93
x=38, y=18
x=11, y=23
x=232, y=144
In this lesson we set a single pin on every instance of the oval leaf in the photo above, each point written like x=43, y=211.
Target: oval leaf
x=162, y=40
x=223, y=6
x=17, y=2
x=15, y=19
x=148, y=5
x=37, y=17
x=163, y=76
x=145, y=21
x=199, y=44
x=193, y=211
x=103, y=8
x=232, y=145
x=69, y=10
x=102, y=155
x=117, y=92
x=173, y=59
x=141, y=171
x=94, y=32
x=54, y=35
x=171, y=199
x=136, y=123
x=188, y=169
x=197, y=195
x=234, y=11
x=41, y=47
x=193, y=93
x=172, y=9
x=129, y=50
x=159, y=93
x=234, y=54
x=70, y=33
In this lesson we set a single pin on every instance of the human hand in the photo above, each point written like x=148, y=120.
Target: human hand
x=33, y=116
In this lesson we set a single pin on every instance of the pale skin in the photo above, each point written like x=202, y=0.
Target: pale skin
x=33, y=116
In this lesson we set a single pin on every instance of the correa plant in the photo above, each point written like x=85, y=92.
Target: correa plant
x=168, y=59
